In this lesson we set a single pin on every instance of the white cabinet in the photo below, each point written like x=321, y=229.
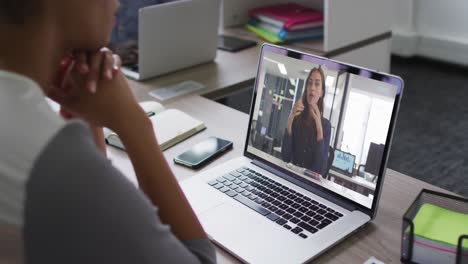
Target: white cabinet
x=356, y=32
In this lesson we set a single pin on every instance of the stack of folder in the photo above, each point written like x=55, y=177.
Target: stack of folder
x=285, y=23
x=436, y=234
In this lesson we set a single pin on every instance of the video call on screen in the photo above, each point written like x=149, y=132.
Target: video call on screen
x=327, y=126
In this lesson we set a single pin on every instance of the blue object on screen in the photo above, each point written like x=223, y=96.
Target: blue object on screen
x=343, y=162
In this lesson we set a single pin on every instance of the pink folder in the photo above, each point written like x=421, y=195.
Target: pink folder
x=290, y=16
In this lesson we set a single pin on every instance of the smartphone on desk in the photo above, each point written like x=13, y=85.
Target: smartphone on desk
x=203, y=152
x=234, y=44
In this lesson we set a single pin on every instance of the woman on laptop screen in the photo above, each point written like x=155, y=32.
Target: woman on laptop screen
x=307, y=136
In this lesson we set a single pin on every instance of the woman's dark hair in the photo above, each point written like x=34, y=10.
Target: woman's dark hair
x=17, y=11
x=306, y=112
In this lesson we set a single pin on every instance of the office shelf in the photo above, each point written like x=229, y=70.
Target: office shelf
x=357, y=32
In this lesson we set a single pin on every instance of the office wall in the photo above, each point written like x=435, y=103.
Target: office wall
x=445, y=18
x=403, y=15
x=404, y=32
x=431, y=28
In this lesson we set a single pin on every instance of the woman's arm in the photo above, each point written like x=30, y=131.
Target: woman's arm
x=289, y=139
x=321, y=149
x=113, y=105
x=97, y=131
x=297, y=109
x=316, y=116
x=93, y=66
x=98, y=135
x=106, y=219
x=156, y=179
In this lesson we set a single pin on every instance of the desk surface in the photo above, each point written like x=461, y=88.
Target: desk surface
x=380, y=238
x=221, y=121
x=228, y=73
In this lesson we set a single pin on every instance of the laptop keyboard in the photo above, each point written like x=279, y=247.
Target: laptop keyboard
x=295, y=212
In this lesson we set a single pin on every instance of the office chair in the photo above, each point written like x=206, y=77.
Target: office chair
x=360, y=171
x=374, y=159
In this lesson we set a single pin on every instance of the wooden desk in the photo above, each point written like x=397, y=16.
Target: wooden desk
x=221, y=121
x=229, y=73
x=381, y=238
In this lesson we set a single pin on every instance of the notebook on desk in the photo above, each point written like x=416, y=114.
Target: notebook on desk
x=171, y=126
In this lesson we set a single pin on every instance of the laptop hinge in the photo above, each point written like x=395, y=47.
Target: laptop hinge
x=329, y=197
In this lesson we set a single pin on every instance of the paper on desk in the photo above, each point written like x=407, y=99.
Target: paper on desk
x=439, y=224
x=169, y=92
x=373, y=260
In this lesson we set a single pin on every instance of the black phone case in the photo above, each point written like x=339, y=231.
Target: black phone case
x=206, y=161
x=234, y=48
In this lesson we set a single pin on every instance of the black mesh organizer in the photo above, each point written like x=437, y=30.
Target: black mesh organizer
x=417, y=249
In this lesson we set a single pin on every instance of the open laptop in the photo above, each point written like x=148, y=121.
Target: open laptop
x=263, y=208
x=175, y=35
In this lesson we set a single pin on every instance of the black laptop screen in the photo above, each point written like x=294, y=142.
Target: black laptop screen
x=307, y=111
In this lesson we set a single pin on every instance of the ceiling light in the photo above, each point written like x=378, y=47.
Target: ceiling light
x=282, y=69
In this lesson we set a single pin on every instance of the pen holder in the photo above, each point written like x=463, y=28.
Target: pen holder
x=422, y=224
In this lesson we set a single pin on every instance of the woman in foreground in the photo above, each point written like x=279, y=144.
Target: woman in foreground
x=62, y=198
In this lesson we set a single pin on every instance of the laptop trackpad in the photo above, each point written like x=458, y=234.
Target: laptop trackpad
x=245, y=232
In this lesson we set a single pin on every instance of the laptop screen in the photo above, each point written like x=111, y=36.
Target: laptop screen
x=317, y=119
x=343, y=162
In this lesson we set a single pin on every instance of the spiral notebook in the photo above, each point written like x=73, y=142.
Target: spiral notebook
x=171, y=126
